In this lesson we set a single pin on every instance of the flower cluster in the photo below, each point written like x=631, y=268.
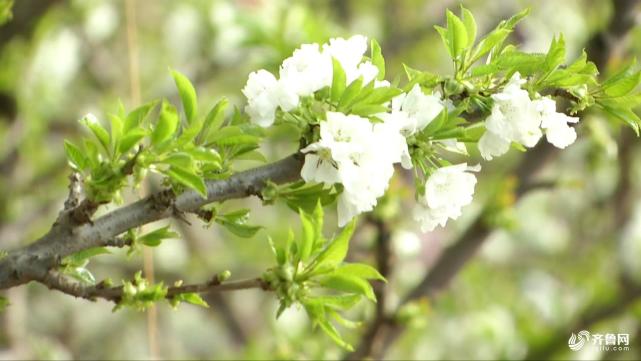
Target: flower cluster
x=308, y=70
x=517, y=118
x=358, y=154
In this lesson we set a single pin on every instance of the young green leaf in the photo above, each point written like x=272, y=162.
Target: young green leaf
x=81, y=258
x=75, y=156
x=193, y=298
x=490, y=42
x=377, y=59
x=360, y=270
x=335, y=253
x=555, y=55
x=213, y=120
x=187, y=178
x=331, y=331
x=137, y=116
x=622, y=85
x=116, y=132
x=339, y=302
x=470, y=25
x=130, y=139
x=457, y=34
x=98, y=131
x=236, y=223
x=338, y=81
x=187, y=95
x=350, y=94
x=349, y=283
x=167, y=124
x=153, y=238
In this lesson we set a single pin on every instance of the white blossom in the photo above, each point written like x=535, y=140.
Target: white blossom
x=491, y=145
x=555, y=124
x=420, y=109
x=307, y=70
x=343, y=141
x=447, y=190
x=514, y=118
x=359, y=155
x=264, y=95
x=349, y=53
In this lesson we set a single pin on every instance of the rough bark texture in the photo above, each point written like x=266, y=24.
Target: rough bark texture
x=33, y=262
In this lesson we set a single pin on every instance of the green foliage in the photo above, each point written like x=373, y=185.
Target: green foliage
x=150, y=239
x=75, y=265
x=186, y=153
x=311, y=271
x=236, y=223
x=193, y=298
x=139, y=294
x=300, y=195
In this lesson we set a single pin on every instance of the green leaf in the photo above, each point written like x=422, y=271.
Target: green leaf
x=331, y=331
x=343, y=321
x=445, y=38
x=360, y=270
x=213, y=120
x=236, y=223
x=207, y=155
x=626, y=115
x=192, y=298
x=350, y=94
x=338, y=81
x=555, y=55
x=240, y=139
x=187, y=95
x=178, y=159
x=187, y=178
x=130, y=139
x=492, y=40
x=167, y=124
x=339, y=302
x=312, y=226
x=349, y=283
x=81, y=258
x=380, y=96
x=623, y=85
x=116, y=131
x=81, y=274
x=457, y=34
x=155, y=237
x=75, y=156
x=136, y=117
x=98, y=131
x=515, y=19
x=335, y=253
x=470, y=25
x=377, y=59
x=368, y=109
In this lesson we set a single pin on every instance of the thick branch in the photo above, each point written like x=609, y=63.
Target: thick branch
x=34, y=261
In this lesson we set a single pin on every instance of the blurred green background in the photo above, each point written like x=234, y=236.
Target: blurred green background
x=561, y=255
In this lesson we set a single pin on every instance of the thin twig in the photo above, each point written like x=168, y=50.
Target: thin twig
x=58, y=281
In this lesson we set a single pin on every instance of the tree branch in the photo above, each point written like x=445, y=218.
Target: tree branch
x=34, y=261
x=58, y=281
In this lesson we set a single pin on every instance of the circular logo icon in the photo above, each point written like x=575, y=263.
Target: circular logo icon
x=577, y=342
